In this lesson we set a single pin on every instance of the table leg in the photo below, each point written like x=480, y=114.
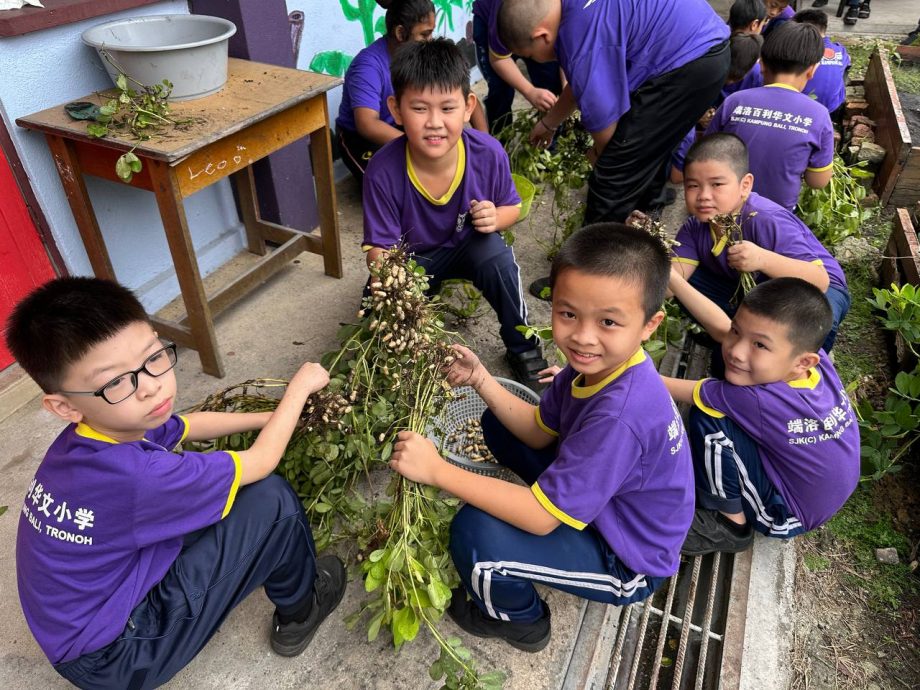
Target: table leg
x=172, y=212
x=71, y=173
x=245, y=183
x=321, y=148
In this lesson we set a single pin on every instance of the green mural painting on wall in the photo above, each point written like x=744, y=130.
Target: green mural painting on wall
x=335, y=62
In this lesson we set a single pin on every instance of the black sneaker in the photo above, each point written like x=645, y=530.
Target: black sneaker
x=540, y=288
x=710, y=533
x=526, y=367
x=851, y=16
x=864, y=10
x=528, y=637
x=819, y=3
x=290, y=639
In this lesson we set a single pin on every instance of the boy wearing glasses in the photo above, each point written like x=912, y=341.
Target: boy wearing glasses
x=129, y=553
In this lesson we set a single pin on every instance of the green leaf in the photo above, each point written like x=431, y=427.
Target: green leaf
x=373, y=628
x=322, y=508
x=122, y=82
x=97, y=130
x=439, y=593
x=405, y=625
x=377, y=555
x=3, y=509
x=123, y=169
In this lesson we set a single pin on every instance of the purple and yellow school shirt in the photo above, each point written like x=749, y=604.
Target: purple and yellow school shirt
x=786, y=133
x=806, y=433
x=828, y=86
x=102, y=523
x=367, y=85
x=397, y=208
x=487, y=11
x=623, y=463
x=609, y=48
x=766, y=224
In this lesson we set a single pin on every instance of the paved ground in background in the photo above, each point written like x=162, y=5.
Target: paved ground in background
x=294, y=318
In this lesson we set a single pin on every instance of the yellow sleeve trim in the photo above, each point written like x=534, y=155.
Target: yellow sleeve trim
x=185, y=430
x=682, y=260
x=820, y=262
x=497, y=56
x=822, y=169
x=554, y=511
x=237, y=473
x=368, y=247
x=541, y=424
x=698, y=401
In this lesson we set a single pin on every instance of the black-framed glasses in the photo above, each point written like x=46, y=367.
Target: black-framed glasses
x=123, y=386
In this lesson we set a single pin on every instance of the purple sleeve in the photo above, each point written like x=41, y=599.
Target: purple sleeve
x=170, y=434
x=176, y=494
x=505, y=192
x=823, y=155
x=496, y=47
x=576, y=486
x=789, y=239
x=600, y=86
x=548, y=410
x=363, y=81
x=740, y=403
x=382, y=226
x=687, y=251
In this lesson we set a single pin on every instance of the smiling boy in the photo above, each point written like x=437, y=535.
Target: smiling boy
x=776, y=444
x=129, y=553
x=604, y=456
x=446, y=192
x=774, y=242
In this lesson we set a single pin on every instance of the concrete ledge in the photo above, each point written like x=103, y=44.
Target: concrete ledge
x=16, y=389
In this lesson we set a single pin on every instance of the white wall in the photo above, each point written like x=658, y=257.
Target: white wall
x=51, y=67
x=327, y=29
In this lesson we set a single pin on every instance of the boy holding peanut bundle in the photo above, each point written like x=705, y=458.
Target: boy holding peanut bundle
x=604, y=454
x=446, y=193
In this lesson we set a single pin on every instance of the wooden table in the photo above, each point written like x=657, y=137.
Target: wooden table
x=261, y=109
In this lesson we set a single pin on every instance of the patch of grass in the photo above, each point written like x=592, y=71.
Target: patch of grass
x=853, y=359
x=861, y=529
x=816, y=562
x=906, y=76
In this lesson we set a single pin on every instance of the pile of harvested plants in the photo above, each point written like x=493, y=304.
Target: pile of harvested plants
x=387, y=376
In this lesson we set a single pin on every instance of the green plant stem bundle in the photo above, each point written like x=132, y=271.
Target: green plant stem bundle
x=729, y=226
x=386, y=377
x=836, y=211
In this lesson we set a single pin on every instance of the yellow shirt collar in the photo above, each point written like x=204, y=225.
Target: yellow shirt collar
x=810, y=381
x=455, y=183
x=579, y=391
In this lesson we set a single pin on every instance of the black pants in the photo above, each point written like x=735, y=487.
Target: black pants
x=633, y=168
x=264, y=541
x=356, y=152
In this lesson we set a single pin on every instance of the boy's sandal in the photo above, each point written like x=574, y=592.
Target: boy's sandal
x=864, y=10
x=526, y=366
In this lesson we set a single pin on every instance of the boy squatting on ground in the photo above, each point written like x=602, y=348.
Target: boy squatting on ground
x=446, y=192
x=130, y=555
x=828, y=85
x=776, y=444
x=642, y=72
x=775, y=242
x=788, y=134
x=609, y=496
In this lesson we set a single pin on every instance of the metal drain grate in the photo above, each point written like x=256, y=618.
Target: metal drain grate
x=689, y=634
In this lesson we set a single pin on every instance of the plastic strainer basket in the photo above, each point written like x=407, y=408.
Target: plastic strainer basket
x=465, y=406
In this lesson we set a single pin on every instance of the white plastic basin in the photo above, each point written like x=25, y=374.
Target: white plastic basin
x=190, y=50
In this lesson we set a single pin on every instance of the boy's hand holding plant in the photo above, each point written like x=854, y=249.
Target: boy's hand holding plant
x=310, y=378
x=416, y=458
x=746, y=257
x=466, y=369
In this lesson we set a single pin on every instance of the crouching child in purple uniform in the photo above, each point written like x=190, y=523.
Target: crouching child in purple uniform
x=446, y=192
x=604, y=454
x=776, y=444
x=131, y=553
x=773, y=242
x=828, y=86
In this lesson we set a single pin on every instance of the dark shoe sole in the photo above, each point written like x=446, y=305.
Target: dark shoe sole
x=532, y=647
x=704, y=552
